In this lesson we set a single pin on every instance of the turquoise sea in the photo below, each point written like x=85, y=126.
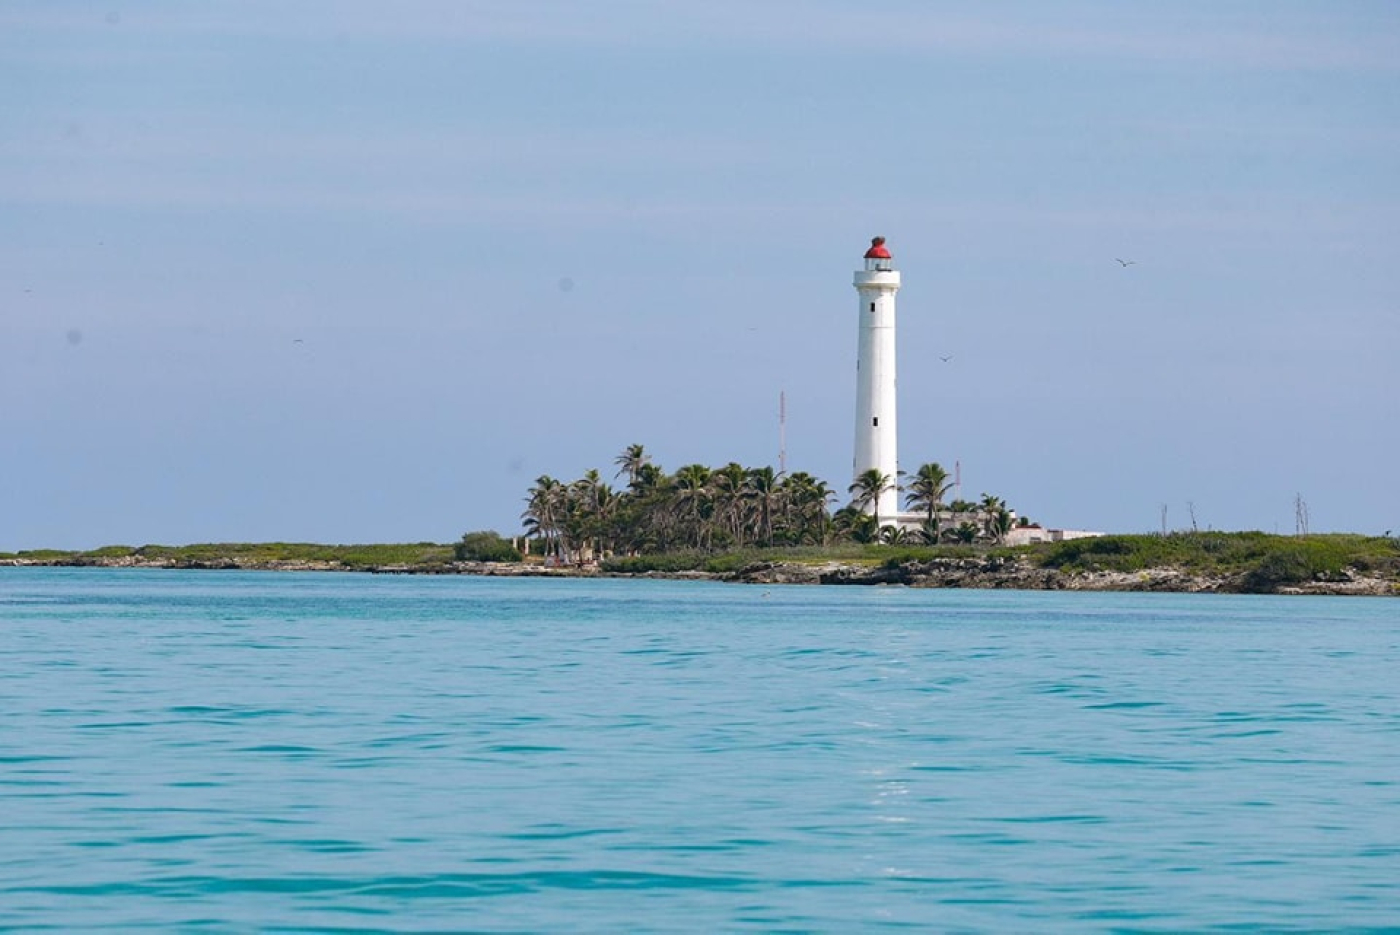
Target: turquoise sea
x=281, y=752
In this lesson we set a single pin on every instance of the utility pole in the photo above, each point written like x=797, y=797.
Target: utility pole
x=782, y=432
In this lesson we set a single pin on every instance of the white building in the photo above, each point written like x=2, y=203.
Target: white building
x=1025, y=535
x=877, y=439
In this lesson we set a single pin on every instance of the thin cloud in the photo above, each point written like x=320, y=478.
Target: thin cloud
x=1314, y=38
x=407, y=200
x=422, y=149
x=431, y=175
x=410, y=197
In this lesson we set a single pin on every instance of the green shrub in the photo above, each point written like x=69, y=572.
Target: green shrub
x=1285, y=566
x=485, y=546
x=728, y=563
x=898, y=556
x=666, y=562
x=1101, y=553
x=111, y=551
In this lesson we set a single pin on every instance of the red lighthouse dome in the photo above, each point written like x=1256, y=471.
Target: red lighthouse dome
x=878, y=250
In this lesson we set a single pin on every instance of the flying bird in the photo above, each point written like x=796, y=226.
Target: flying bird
x=946, y=359
x=1125, y=262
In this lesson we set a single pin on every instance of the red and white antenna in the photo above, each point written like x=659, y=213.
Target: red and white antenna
x=782, y=431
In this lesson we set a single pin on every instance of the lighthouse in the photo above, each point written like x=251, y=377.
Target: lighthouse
x=876, y=439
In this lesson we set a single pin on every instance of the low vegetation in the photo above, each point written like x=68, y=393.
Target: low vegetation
x=845, y=553
x=1266, y=561
x=486, y=546
x=720, y=520
x=253, y=554
x=1248, y=561
x=1252, y=562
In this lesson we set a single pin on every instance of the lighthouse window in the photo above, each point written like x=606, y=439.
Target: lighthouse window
x=875, y=422
x=872, y=306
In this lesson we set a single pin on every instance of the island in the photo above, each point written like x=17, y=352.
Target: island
x=1206, y=562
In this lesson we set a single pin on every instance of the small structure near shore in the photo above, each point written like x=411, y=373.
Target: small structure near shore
x=1025, y=535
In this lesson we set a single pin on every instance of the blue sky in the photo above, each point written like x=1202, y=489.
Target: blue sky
x=351, y=272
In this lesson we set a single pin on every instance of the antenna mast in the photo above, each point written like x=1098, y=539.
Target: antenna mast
x=782, y=432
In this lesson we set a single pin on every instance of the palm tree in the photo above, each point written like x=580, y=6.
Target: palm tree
x=805, y=499
x=644, y=518
x=988, y=508
x=926, y=491
x=544, y=513
x=863, y=528
x=965, y=532
x=607, y=515
x=762, y=488
x=894, y=535
x=582, y=518
x=630, y=463
x=648, y=477
x=729, y=486
x=928, y=532
x=999, y=524
x=867, y=488
x=575, y=524
x=692, y=499
x=820, y=496
x=586, y=487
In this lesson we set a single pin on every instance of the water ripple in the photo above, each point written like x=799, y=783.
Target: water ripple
x=250, y=752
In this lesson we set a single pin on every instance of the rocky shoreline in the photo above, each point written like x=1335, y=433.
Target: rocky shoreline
x=1001, y=573
x=971, y=572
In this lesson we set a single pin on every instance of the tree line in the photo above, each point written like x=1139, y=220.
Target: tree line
x=733, y=506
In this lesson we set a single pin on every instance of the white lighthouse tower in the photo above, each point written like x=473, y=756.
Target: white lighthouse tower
x=876, y=438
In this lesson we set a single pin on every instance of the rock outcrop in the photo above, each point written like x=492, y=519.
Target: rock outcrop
x=1010, y=573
